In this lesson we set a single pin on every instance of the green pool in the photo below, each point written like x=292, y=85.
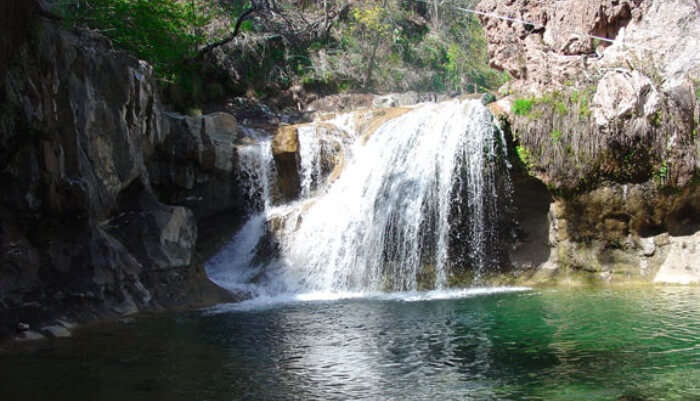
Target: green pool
x=603, y=344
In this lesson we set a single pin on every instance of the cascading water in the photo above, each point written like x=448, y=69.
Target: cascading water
x=256, y=171
x=310, y=155
x=417, y=199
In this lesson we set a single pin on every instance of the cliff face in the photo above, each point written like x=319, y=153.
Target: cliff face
x=83, y=138
x=610, y=128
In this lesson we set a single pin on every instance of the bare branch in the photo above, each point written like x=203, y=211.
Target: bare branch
x=241, y=18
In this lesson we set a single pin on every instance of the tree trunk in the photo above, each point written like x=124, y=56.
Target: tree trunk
x=436, y=15
x=370, y=65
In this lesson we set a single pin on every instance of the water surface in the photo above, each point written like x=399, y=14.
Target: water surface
x=641, y=344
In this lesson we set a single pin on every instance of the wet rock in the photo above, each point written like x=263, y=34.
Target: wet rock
x=285, y=150
x=55, y=331
x=65, y=323
x=29, y=335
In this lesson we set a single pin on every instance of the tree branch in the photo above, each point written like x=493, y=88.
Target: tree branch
x=241, y=18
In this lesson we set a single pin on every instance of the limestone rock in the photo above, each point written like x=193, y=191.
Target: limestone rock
x=559, y=48
x=624, y=94
x=682, y=265
x=621, y=110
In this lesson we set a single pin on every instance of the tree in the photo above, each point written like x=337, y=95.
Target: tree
x=371, y=25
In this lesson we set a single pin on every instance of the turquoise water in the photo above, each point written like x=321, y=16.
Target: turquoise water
x=641, y=344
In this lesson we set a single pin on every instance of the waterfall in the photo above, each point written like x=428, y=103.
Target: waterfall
x=256, y=170
x=310, y=155
x=418, y=198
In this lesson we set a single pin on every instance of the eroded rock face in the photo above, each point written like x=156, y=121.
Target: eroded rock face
x=558, y=47
x=608, y=127
x=616, y=234
x=195, y=163
x=81, y=230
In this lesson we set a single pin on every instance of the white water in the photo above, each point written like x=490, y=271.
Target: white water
x=310, y=154
x=419, y=197
x=256, y=171
x=264, y=301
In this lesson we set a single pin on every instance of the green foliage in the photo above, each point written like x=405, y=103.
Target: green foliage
x=556, y=136
x=662, y=172
x=561, y=108
x=163, y=32
x=405, y=54
x=524, y=156
x=523, y=107
x=656, y=119
x=392, y=44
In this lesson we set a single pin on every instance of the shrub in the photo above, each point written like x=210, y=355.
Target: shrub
x=523, y=107
x=162, y=32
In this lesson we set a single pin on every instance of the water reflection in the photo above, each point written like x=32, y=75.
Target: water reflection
x=539, y=345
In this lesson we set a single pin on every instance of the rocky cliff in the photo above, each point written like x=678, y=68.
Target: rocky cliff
x=603, y=110
x=102, y=189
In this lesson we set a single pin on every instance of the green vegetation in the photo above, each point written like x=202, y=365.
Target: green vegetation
x=662, y=172
x=524, y=156
x=561, y=108
x=163, y=32
x=328, y=46
x=563, y=103
x=523, y=107
x=556, y=136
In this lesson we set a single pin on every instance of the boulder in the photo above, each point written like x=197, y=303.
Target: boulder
x=624, y=94
x=285, y=151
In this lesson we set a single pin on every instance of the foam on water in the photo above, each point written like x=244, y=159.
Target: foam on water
x=268, y=302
